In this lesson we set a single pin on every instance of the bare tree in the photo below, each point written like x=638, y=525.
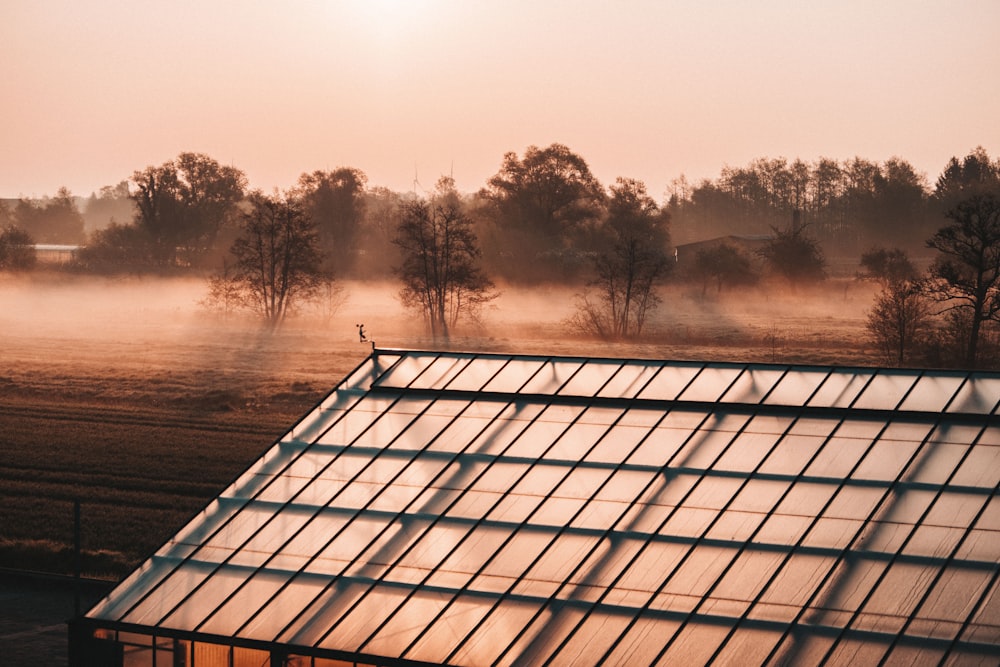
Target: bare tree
x=898, y=318
x=440, y=254
x=277, y=264
x=628, y=270
x=795, y=255
x=17, y=250
x=722, y=264
x=966, y=275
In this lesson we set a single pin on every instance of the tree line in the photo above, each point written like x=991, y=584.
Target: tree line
x=543, y=217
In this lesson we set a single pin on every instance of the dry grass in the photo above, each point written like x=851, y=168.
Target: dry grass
x=125, y=396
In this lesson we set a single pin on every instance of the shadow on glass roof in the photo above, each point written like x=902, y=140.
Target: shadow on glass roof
x=476, y=509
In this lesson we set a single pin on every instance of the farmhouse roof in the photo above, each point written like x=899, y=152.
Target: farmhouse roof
x=474, y=509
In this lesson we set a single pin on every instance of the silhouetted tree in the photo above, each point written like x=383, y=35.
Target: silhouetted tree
x=118, y=248
x=336, y=202
x=51, y=220
x=111, y=204
x=184, y=204
x=901, y=313
x=722, y=264
x=376, y=252
x=440, y=268
x=966, y=275
x=632, y=263
x=961, y=179
x=887, y=266
x=545, y=205
x=17, y=250
x=794, y=255
x=276, y=260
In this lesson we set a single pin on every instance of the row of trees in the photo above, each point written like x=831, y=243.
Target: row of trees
x=849, y=205
x=543, y=216
x=961, y=286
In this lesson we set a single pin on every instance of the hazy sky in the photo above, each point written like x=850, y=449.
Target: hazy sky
x=93, y=90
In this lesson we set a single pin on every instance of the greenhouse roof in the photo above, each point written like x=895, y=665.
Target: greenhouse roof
x=473, y=509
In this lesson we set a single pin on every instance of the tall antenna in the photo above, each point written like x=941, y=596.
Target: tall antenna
x=416, y=181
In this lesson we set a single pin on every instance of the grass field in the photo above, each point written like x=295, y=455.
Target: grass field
x=127, y=397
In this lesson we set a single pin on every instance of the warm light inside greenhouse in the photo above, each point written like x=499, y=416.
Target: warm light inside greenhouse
x=479, y=509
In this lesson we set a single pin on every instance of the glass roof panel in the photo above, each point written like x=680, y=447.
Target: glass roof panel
x=932, y=393
x=886, y=390
x=840, y=389
x=670, y=381
x=476, y=374
x=979, y=395
x=440, y=372
x=753, y=384
x=443, y=530
x=514, y=375
x=552, y=376
x=591, y=377
x=629, y=380
x=796, y=386
x=711, y=383
x=404, y=370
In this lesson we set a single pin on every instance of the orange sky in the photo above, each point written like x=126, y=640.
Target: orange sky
x=96, y=89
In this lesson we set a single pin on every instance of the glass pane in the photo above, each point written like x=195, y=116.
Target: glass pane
x=629, y=380
x=513, y=376
x=670, y=381
x=979, y=395
x=477, y=373
x=839, y=389
x=710, y=384
x=590, y=378
x=796, y=387
x=552, y=376
x=753, y=385
x=932, y=393
x=885, y=391
x=405, y=370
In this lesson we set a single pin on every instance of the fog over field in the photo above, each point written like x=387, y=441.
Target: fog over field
x=155, y=323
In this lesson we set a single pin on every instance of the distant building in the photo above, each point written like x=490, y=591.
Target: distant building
x=50, y=253
x=749, y=244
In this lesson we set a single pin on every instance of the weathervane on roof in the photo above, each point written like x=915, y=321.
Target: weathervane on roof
x=363, y=336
